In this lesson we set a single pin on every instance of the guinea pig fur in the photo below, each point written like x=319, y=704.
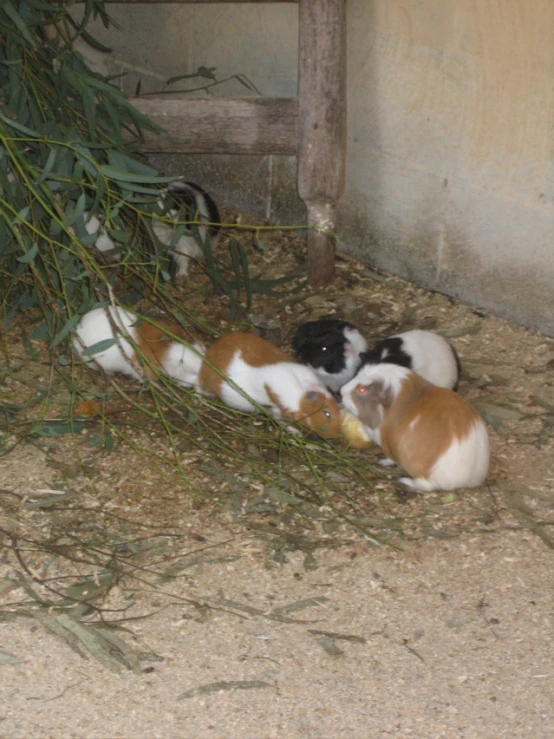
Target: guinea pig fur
x=194, y=204
x=435, y=434
x=332, y=348
x=155, y=348
x=424, y=352
x=271, y=378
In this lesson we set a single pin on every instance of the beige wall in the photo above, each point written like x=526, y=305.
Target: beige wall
x=450, y=162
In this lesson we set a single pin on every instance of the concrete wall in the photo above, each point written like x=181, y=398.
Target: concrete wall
x=450, y=167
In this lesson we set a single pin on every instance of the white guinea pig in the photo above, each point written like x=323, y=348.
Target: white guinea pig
x=155, y=348
x=424, y=352
x=435, y=434
x=332, y=348
x=271, y=378
x=194, y=204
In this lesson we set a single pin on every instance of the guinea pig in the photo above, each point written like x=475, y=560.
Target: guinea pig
x=187, y=202
x=424, y=352
x=137, y=347
x=93, y=225
x=332, y=348
x=435, y=434
x=271, y=378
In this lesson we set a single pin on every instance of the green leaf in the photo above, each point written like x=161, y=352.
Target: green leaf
x=121, y=161
x=300, y=605
x=504, y=412
x=206, y=72
x=29, y=255
x=69, y=326
x=94, y=43
x=86, y=158
x=90, y=588
x=119, y=176
x=30, y=350
x=245, y=82
x=6, y=658
x=224, y=686
x=78, y=210
x=108, y=442
x=100, y=346
x=19, y=127
x=91, y=640
x=52, y=155
x=45, y=501
x=14, y=16
x=58, y=428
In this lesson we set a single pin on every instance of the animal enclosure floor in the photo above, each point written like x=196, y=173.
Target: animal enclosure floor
x=248, y=620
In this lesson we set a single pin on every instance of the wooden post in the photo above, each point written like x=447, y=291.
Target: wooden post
x=269, y=126
x=322, y=127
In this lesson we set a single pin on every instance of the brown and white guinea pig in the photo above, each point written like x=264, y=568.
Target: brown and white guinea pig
x=435, y=434
x=187, y=202
x=127, y=344
x=332, y=348
x=271, y=378
x=424, y=352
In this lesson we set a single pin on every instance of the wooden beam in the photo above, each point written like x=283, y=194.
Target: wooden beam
x=253, y=125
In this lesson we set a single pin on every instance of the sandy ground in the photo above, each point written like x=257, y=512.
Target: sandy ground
x=443, y=639
x=449, y=635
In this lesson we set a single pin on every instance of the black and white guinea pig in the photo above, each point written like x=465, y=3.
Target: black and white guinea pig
x=332, y=348
x=186, y=201
x=433, y=433
x=424, y=352
x=183, y=201
x=271, y=378
x=156, y=349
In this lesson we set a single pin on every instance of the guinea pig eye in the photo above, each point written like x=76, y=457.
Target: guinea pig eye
x=327, y=414
x=323, y=348
x=361, y=389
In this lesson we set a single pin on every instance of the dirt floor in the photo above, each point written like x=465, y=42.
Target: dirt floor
x=139, y=603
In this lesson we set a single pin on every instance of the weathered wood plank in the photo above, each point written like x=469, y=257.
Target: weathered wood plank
x=253, y=125
x=322, y=127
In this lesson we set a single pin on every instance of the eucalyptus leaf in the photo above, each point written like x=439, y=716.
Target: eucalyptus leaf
x=69, y=326
x=29, y=255
x=19, y=127
x=57, y=428
x=100, y=346
x=14, y=16
x=92, y=587
x=91, y=639
x=30, y=350
x=6, y=658
x=503, y=412
x=122, y=176
x=224, y=686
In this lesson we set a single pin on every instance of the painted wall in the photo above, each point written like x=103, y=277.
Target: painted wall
x=450, y=164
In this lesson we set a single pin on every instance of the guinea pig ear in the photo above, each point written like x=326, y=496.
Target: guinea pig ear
x=385, y=393
x=378, y=392
x=313, y=394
